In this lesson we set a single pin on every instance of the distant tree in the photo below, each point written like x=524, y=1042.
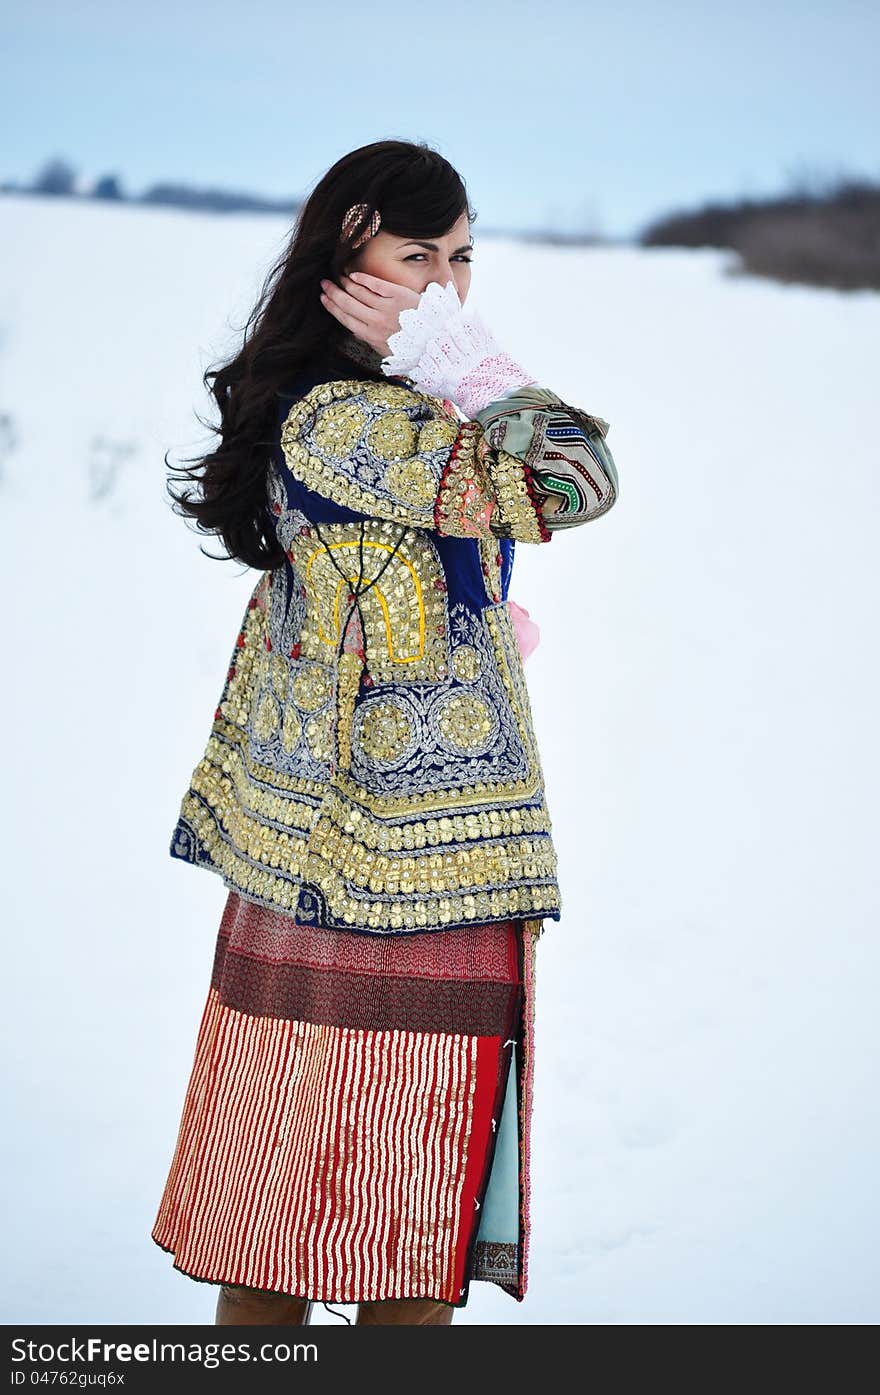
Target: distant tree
x=108, y=187
x=824, y=231
x=217, y=200
x=56, y=177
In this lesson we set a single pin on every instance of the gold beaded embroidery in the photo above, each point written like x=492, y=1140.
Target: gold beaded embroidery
x=337, y=433
x=279, y=675
x=411, y=480
x=239, y=788
x=319, y=735
x=340, y=439
x=466, y=663
x=312, y=687
x=350, y=667
x=438, y=434
x=291, y=729
x=404, y=609
x=235, y=702
x=281, y=889
x=497, y=864
x=382, y=855
x=268, y=717
x=535, y=929
x=489, y=856
x=516, y=515
x=490, y=562
x=465, y=505
x=392, y=436
x=466, y=722
x=385, y=731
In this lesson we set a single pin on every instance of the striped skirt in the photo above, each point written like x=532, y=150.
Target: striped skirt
x=356, y=1121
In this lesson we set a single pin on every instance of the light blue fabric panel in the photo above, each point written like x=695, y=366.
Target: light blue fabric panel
x=499, y=1220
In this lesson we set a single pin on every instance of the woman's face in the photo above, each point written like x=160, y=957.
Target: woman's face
x=416, y=263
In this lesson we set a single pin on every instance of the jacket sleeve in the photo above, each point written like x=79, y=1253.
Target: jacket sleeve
x=563, y=448
x=526, y=466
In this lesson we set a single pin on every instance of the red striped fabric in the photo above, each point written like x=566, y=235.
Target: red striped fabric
x=342, y=1163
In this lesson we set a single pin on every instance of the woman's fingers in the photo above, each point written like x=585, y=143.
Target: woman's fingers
x=364, y=294
x=386, y=296
x=368, y=306
x=353, y=322
x=351, y=304
x=373, y=283
x=344, y=305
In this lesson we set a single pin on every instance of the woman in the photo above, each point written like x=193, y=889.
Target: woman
x=371, y=792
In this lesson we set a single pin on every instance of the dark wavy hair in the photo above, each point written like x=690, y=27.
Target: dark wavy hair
x=418, y=195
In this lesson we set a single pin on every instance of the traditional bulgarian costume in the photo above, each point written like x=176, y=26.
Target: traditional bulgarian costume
x=357, y=1118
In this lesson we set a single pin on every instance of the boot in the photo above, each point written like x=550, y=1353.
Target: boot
x=405, y=1312
x=239, y=1306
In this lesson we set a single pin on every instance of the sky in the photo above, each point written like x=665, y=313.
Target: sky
x=571, y=115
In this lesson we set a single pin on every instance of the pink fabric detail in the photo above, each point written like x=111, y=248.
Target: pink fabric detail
x=471, y=495
x=527, y=632
x=489, y=380
x=354, y=635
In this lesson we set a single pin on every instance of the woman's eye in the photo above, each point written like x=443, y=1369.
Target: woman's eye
x=459, y=257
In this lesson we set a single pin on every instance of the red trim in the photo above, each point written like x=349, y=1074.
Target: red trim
x=466, y=427
x=545, y=532
x=455, y=450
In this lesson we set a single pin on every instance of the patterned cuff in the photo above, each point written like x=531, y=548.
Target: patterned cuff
x=449, y=355
x=436, y=306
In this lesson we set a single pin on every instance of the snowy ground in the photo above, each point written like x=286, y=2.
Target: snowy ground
x=706, y=696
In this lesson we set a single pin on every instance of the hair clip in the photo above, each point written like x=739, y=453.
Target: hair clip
x=354, y=214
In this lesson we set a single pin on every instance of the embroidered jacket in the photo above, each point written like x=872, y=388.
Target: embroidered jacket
x=372, y=763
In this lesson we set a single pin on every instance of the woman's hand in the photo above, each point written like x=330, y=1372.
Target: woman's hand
x=368, y=306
